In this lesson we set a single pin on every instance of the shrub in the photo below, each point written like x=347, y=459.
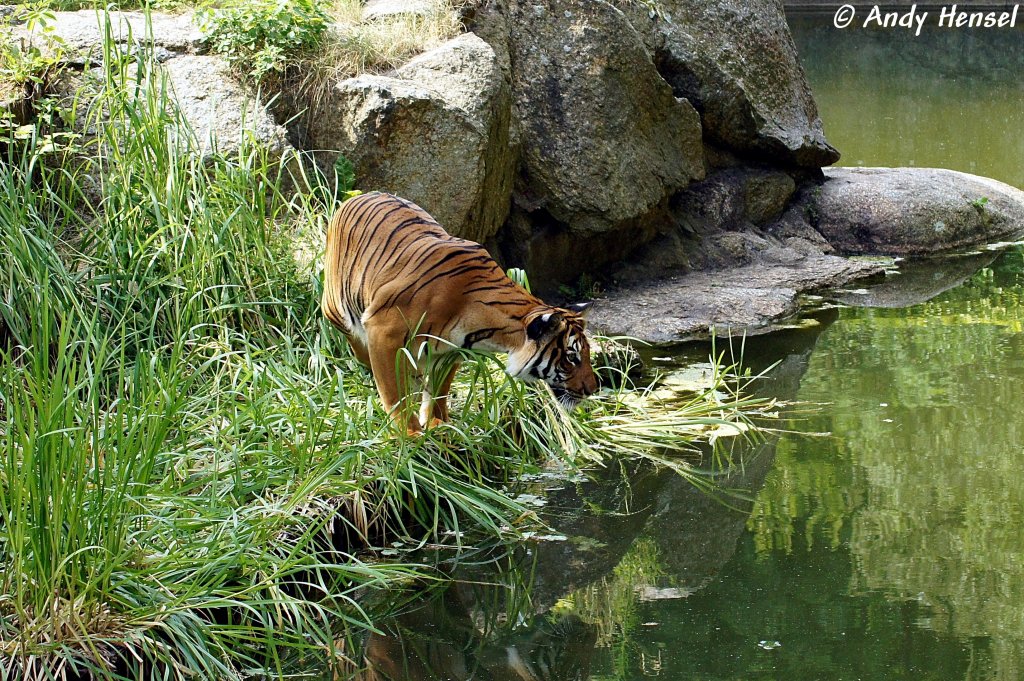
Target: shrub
x=262, y=38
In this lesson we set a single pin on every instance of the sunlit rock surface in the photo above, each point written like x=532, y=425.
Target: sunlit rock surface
x=912, y=211
x=436, y=132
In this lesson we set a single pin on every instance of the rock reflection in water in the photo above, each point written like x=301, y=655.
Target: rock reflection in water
x=917, y=281
x=467, y=632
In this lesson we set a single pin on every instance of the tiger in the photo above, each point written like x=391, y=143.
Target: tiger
x=393, y=275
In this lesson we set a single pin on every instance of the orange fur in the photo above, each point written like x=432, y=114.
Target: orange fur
x=392, y=276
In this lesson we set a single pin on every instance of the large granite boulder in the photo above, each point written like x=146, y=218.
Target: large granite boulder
x=735, y=61
x=911, y=211
x=604, y=139
x=436, y=131
x=221, y=111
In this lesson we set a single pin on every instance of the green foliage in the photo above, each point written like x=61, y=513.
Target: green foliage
x=981, y=205
x=345, y=173
x=585, y=288
x=518, y=275
x=260, y=39
x=25, y=62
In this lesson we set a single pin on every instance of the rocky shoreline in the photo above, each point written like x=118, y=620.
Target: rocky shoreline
x=889, y=213
x=675, y=155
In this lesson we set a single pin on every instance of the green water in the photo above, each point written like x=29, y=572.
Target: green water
x=948, y=98
x=884, y=538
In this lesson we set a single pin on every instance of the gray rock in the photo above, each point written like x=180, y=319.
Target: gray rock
x=751, y=299
x=724, y=222
x=795, y=230
x=911, y=211
x=82, y=34
x=736, y=62
x=732, y=197
x=385, y=9
x=766, y=194
x=436, y=132
x=604, y=140
x=220, y=110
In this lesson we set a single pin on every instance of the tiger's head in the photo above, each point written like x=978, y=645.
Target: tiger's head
x=557, y=352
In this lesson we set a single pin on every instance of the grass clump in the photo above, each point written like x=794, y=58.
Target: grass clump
x=177, y=433
x=190, y=457
x=304, y=47
x=386, y=42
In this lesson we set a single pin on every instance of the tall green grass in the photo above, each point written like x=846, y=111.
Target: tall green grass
x=191, y=458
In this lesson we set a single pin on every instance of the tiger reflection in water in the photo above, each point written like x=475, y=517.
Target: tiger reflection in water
x=442, y=644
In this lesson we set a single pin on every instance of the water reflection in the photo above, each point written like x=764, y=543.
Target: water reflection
x=887, y=546
x=921, y=481
x=916, y=281
x=634, y=541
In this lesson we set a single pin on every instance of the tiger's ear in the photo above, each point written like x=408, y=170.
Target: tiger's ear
x=582, y=309
x=543, y=325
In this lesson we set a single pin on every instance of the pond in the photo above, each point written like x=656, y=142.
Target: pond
x=881, y=537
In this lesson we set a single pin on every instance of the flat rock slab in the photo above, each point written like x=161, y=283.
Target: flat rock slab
x=745, y=300
x=912, y=211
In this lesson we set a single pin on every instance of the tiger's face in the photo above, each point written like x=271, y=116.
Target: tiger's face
x=557, y=352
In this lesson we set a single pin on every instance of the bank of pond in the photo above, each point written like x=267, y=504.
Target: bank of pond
x=197, y=479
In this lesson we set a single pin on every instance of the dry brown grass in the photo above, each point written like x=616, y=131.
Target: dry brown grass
x=380, y=45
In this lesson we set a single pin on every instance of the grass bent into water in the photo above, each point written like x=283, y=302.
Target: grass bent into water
x=191, y=461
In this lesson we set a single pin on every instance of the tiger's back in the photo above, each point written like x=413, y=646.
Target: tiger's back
x=385, y=253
